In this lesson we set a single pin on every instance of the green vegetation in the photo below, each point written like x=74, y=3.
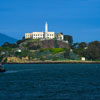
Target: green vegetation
x=57, y=50
x=8, y=45
x=33, y=46
x=32, y=40
x=5, y=49
x=51, y=50
x=69, y=39
x=91, y=50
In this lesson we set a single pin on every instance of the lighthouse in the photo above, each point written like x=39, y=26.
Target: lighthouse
x=46, y=30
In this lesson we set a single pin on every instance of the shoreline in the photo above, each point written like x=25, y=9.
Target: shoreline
x=56, y=62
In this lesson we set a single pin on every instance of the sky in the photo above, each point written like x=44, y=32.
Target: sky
x=78, y=18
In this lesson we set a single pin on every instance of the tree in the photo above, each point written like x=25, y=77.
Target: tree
x=23, y=38
x=69, y=39
x=66, y=54
x=6, y=44
x=19, y=41
x=9, y=45
x=93, y=51
x=1, y=57
x=75, y=45
x=82, y=45
x=78, y=48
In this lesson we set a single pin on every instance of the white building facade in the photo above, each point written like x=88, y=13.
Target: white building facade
x=42, y=35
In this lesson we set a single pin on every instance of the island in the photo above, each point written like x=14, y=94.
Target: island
x=49, y=47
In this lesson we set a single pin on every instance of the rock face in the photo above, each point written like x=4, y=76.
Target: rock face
x=53, y=44
x=34, y=45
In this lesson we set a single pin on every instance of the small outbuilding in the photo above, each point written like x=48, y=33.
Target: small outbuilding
x=83, y=58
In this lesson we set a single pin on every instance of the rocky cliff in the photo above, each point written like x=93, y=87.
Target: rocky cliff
x=53, y=44
x=32, y=45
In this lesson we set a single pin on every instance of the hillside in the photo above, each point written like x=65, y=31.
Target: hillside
x=37, y=50
x=4, y=38
x=53, y=44
x=31, y=50
x=36, y=44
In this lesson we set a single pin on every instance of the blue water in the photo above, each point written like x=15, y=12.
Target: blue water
x=50, y=82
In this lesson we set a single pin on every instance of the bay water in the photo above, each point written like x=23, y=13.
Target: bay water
x=50, y=82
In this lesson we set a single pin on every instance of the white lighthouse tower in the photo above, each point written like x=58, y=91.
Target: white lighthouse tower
x=46, y=30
